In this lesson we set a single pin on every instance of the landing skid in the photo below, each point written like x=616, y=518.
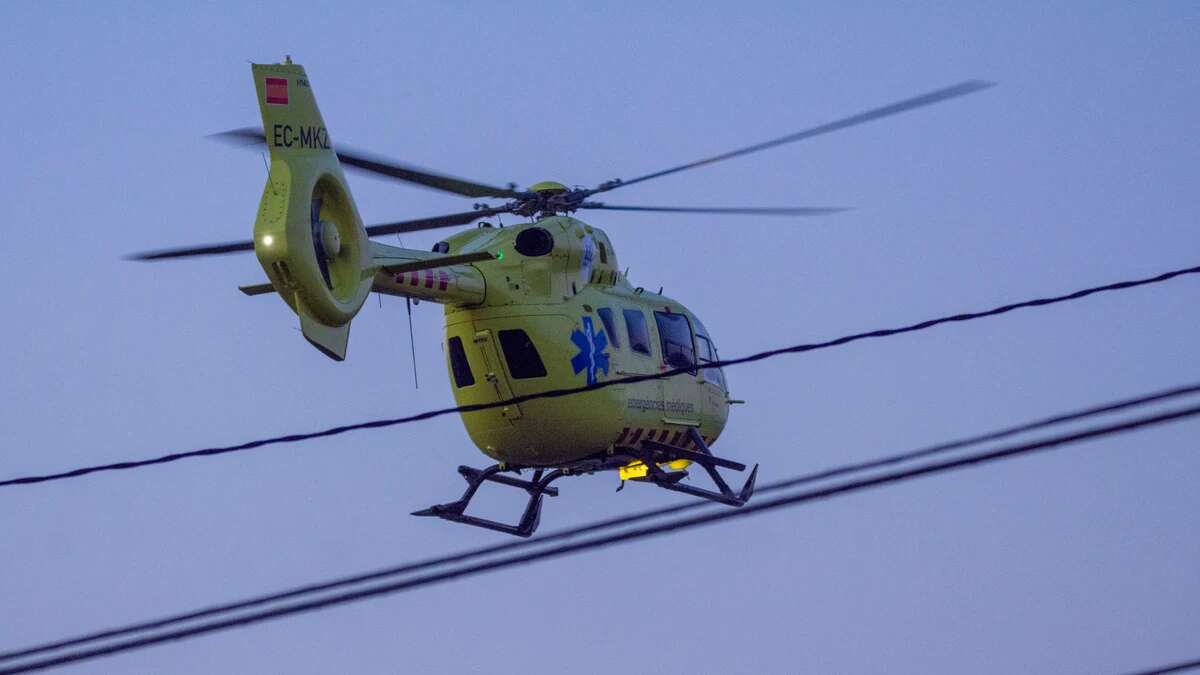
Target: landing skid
x=650, y=453
x=653, y=453
x=539, y=486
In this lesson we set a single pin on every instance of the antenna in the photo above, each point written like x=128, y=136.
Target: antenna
x=412, y=343
x=268, y=168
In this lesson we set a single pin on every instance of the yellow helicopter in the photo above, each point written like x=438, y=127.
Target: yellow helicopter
x=529, y=308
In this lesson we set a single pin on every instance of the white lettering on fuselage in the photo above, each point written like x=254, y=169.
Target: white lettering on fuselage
x=644, y=404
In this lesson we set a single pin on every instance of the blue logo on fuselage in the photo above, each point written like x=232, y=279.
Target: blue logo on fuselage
x=592, y=355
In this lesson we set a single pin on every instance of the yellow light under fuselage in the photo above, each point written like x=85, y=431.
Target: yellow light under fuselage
x=636, y=469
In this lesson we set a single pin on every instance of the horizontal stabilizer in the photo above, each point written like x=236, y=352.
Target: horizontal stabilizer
x=257, y=289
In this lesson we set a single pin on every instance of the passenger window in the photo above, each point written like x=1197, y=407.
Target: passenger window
x=708, y=354
x=522, y=357
x=606, y=316
x=676, y=336
x=603, y=253
x=458, y=363
x=639, y=337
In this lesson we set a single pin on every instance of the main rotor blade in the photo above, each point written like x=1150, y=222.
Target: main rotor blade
x=372, y=231
x=211, y=249
x=961, y=89
x=368, y=162
x=433, y=223
x=736, y=210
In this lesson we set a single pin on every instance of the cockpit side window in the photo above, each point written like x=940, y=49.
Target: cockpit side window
x=610, y=326
x=676, y=335
x=708, y=354
x=639, y=336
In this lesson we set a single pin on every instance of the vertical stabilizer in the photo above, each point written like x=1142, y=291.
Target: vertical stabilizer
x=308, y=235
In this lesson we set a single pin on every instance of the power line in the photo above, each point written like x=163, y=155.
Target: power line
x=604, y=541
x=1173, y=668
x=558, y=393
x=685, y=523
x=377, y=575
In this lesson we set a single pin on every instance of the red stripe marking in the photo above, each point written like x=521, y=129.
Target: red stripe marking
x=624, y=433
x=662, y=438
x=277, y=90
x=444, y=282
x=637, y=433
x=428, y=278
x=415, y=281
x=675, y=438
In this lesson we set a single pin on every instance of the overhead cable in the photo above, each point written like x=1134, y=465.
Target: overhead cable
x=679, y=524
x=558, y=393
x=380, y=574
x=1179, y=667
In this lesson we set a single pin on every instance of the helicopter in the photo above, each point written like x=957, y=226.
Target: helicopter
x=528, y=308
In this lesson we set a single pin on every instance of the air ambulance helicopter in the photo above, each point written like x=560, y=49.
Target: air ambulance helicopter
x=533, y=307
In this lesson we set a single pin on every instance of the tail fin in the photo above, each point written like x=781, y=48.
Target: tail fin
x=291, y=119
x=308, y=235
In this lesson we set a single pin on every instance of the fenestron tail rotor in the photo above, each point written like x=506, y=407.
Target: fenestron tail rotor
x=318, y=240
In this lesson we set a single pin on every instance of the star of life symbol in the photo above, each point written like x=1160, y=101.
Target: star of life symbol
x=592, y=345
x=589, y=256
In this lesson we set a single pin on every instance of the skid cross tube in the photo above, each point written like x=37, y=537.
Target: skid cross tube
x=650, y=453
x=537, y=487
x=653, y=452
x=697, y=457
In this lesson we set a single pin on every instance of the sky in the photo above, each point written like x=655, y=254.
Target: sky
x=1077, y=170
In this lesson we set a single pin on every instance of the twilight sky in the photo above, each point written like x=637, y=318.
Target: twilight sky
x=1079, y=169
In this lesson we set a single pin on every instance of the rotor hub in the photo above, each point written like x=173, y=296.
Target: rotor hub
x=548, y=187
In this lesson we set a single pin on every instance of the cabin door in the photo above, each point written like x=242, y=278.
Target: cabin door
x=495, y=374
